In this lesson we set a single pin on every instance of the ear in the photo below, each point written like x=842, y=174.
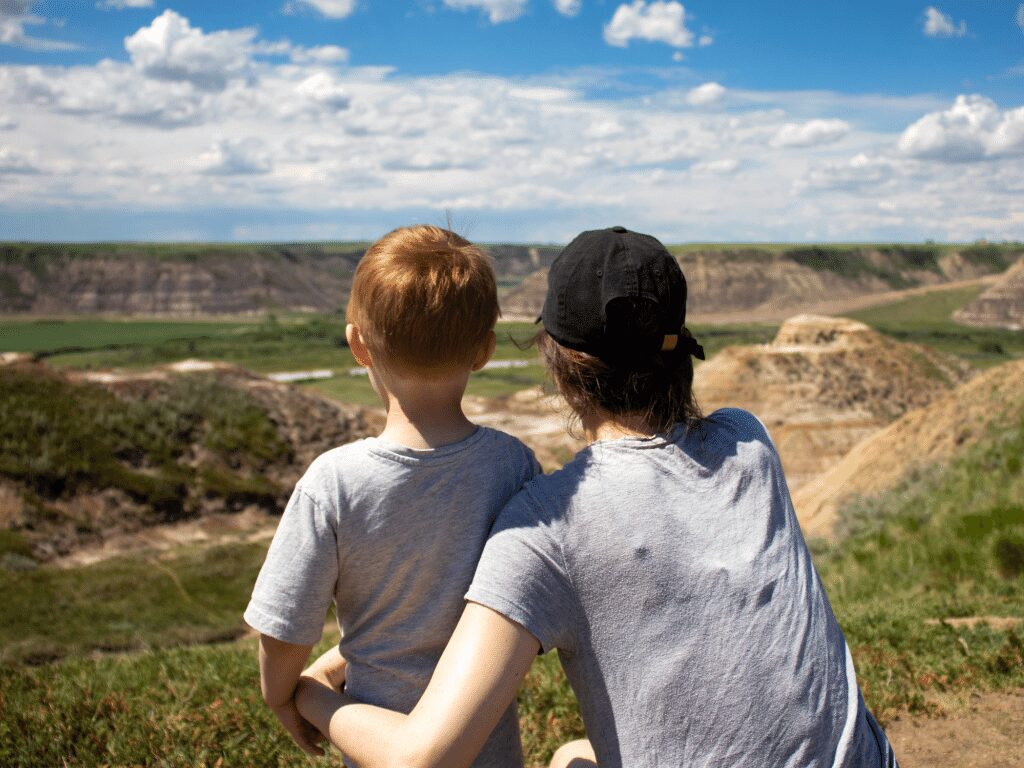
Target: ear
x=359, y=349
x=486, y=351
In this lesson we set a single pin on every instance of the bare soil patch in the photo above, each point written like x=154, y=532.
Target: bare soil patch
x=985, y=734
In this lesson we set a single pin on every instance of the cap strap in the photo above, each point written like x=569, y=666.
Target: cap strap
x=683, y=340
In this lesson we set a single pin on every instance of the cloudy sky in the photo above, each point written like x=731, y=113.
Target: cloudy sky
x=522, y=120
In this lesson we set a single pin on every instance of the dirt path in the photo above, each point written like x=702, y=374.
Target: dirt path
x=988, y=734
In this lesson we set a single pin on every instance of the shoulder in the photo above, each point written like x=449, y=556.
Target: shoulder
x=324, y=479
x=737, y=424
x=510, y=446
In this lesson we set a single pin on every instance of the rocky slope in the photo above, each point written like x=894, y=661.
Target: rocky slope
x=1001, y=306
x=183, y=280
x=90, y=457
x=953, y=422
x=823, y=385
x=731, y=285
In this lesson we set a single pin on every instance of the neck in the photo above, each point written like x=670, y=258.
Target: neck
x=426, y=413
x=606, y=426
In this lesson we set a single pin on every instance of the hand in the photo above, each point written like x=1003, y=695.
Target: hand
x=329, y=670
x=305, y=734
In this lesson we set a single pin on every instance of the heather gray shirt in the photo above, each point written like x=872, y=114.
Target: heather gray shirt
x=392, y=535
x=671, y=575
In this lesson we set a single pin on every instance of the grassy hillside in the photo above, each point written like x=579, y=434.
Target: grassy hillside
x=947, y=543
x=926, y=319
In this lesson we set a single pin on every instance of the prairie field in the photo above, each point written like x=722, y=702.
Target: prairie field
x=94, y=655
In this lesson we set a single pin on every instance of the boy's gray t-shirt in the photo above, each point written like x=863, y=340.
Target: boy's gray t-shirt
x=392, y=535
x=671, y=575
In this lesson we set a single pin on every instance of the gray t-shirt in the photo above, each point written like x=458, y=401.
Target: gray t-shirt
x=671, y=575
x=392, y=535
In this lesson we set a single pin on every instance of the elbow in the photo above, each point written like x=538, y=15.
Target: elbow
x=412, y=756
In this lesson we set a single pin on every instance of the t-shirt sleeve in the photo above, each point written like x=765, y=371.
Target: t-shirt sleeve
x=298, y=580
x=522, y=574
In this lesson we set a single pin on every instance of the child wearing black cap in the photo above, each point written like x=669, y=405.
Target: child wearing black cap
x=665, y=564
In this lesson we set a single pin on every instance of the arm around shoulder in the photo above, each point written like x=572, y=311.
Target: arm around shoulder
x=474, y=682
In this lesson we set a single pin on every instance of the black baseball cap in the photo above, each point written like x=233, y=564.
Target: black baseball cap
x=618, y=295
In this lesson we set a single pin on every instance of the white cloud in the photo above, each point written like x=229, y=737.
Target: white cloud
x=12, y=161
x=811, y=133
x=235, y=157
x=705, y=41
x=974, y=128
x=568, y=7
x=657, y=21
x=7, y=123
x=15, y=15
x=321, y=54
x=1020, y=17
x=938, y=24
x=120, y=5
x=323, y=90
x=172, y=49
x=332, y=9
x=287, y=130
x=716, y=167
x=497, y=11
x=708, y=93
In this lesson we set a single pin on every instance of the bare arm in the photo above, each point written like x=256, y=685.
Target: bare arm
x=281, y=664
x=475, y=681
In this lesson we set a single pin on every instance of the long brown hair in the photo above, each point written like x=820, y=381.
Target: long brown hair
x=659, y=392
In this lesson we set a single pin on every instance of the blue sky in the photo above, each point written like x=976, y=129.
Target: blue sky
x=525, y=119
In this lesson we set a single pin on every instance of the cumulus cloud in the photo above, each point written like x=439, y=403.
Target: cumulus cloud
x=235, y=157
x=657, y=21
x=860, y=171
x=497, y=11
x=705, y=41
x=811, y=133
x=172, y=49
x=12, y=161
x=287, y=130
x=15, y=15
x=973, y=129
x=120, y=5
x=939, y=24
x=720, y=167
x=331, y=9
x=321, y=54
x=324, y=91
x=705, y=94
x=568, y=7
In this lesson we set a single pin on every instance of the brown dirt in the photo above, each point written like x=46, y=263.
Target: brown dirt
x=1001, y=306
x=823, y=385
x=539, y=420
x=924, y=436
x=985, y=734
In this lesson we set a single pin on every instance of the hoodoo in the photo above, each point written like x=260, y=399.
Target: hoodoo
x=823, y=385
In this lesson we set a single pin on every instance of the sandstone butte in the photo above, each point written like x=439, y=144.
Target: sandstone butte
x=823, y=385
x=922, y=437
x=1001, y=306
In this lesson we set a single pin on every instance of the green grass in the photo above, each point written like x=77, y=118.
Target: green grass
x=947, y=542
x=126, y=603
x=194, y=707
x=926, y=319
x=51, y=335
